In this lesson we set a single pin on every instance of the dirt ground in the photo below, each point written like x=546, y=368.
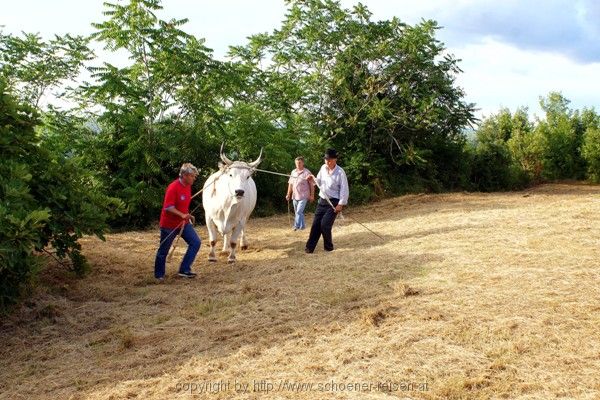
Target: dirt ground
x=467, y=296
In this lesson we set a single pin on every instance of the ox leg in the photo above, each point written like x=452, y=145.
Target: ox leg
x=234, y=236
x=243, y=242
x=225, y=242
x=212, y=237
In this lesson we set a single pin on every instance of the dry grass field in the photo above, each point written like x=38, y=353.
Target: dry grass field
x=468, y=296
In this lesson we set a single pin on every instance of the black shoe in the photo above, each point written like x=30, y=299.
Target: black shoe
x=328, y=249
x=187, y=274
x=307, y=251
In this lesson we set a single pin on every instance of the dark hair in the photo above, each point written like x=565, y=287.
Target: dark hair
x=299, y=158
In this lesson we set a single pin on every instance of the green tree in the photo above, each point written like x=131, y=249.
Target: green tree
x=591, y=153
x=46, y=199
x=382, y=92
x=21, y=218
x=33, y=67
x=562, y=141
x=500, y=151
x=159, y=110
x=526, y=145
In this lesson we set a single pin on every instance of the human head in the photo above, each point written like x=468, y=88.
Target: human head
x=188, y=173
x=331, y=158
x=299, y=162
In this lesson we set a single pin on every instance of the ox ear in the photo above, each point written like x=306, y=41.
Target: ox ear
x=226, y=160
x=221, y=166
x=255, y=163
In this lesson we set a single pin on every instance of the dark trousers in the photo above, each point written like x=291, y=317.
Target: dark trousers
x=167, y=236
x=322, y=224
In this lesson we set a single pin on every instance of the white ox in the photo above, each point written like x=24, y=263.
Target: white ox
x=229, y=197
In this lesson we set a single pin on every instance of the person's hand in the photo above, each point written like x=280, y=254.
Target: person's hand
x=189, y=217
x=311, y=198
x=338, y=208
x=311, y=177
x=287, y=197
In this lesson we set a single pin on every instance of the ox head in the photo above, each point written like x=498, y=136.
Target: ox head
x=237, y=174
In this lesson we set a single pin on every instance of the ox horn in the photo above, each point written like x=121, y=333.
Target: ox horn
x=224, y=158
x=255, y=163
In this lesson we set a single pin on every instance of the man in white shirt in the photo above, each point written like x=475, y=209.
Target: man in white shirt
x=333, y=185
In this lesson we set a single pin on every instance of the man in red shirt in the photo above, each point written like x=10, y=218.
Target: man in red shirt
x=175, y=214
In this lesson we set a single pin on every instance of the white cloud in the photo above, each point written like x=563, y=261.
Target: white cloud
x=497, y=74
x=571, y=27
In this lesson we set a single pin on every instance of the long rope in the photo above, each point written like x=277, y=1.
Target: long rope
x=205, y=186
x=267, y=172
x=169, y=235
x=326, y=198
x=274, y=173
x=182, y=223
x=342, y=215
x=176, y=241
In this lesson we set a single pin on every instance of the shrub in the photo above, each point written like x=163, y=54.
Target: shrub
x=47, y=199
x=591, y=153
x=21, y=219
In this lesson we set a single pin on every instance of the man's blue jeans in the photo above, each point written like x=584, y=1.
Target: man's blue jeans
x=299, y=206
x=191, y=238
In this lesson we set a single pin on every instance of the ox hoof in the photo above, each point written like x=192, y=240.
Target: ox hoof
x=245, y=247
x=212, y=260
x=231, y=261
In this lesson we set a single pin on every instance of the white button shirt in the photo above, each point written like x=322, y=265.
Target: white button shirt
x=334, y=185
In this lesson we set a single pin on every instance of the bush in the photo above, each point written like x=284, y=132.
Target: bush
x=527, y=149
x=47, y=199
x=591, y=153
x=496, y=163
x=21, y=219
x=491, y=167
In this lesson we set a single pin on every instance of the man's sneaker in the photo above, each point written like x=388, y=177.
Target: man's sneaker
x=187, y=274
x=160, y=280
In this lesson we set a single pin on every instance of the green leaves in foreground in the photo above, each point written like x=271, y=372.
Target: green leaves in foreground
x=46, y=199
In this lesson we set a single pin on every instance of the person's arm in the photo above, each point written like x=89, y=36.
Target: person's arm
x=344, y=191
x=174, y=211
x=169, y=205
x=290, y=189
x=311, y=185
x=316, y=179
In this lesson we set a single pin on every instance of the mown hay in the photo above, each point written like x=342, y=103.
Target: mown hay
x=470, y=296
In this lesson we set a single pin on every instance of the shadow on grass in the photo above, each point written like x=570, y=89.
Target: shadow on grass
x=115, y=328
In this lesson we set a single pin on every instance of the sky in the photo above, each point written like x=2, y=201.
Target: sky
x=512, y=52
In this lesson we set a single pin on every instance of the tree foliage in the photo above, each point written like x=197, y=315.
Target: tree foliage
x=32, y=67
x=513, y=150
x=382, y=92
x=591, y=152
x=47, y=200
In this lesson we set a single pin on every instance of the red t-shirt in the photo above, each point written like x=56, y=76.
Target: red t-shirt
x=178, y=196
